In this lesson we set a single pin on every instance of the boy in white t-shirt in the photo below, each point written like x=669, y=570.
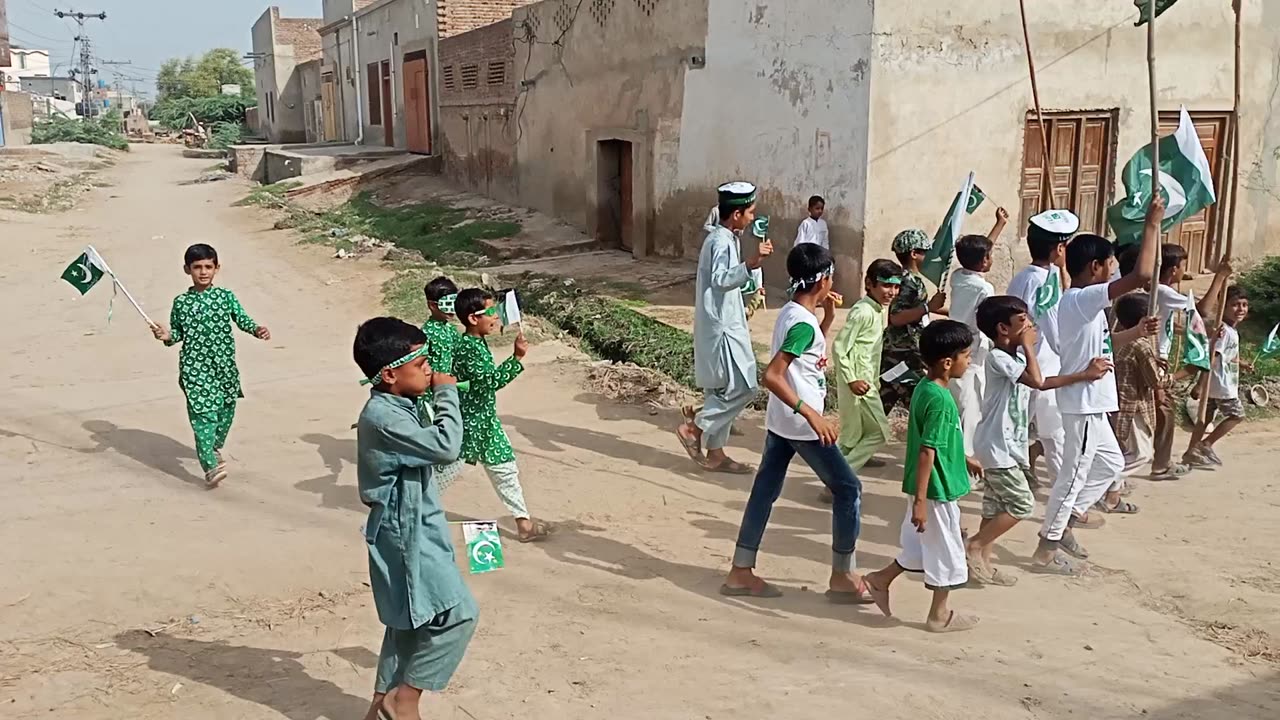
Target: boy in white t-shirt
x=969, y=288
x=1092, y=462
x=813, y=229
x=795, y=425
x=1001, y=446
x=1224, y=382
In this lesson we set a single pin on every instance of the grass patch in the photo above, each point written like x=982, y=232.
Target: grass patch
x=269, y=195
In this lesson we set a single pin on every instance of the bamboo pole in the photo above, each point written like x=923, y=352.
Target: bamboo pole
x=1035, y=97
x=1155, y=144
x=1234, y=183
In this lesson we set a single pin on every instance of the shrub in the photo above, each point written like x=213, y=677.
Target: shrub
x=104, y=131
x=225, y=134
x=1263, y=285
x=172, y=112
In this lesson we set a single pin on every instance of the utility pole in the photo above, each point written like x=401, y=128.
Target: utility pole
x=119, y=83
x=86, y=55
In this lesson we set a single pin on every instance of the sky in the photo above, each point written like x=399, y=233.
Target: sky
x=143, y=32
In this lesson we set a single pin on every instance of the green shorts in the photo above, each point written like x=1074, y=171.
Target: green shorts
x=425, y=658
x=1008, y=490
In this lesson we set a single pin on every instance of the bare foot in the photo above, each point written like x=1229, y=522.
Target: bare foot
x=879, y=593
x=846, y=582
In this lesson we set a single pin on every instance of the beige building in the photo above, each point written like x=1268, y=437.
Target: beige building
x=280, y=45
x=625, y=114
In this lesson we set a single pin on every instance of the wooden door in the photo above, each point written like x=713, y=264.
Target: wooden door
x=388, y=107
x=417, y=110
x=1082, y=161
x=1199, y=233
x=329, y=105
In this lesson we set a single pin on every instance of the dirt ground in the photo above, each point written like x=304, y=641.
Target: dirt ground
x=128, y=591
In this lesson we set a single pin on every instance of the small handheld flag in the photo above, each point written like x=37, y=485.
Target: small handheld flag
x=937, y=261
x=85, y=271
x=1272, y=344
x=484, y=546
x=1195, y=351
x=509, y=309
x=760, y=227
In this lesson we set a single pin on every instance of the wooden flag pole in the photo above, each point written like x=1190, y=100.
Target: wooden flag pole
x=1233, y=183
x=1035, y=97
x=1155, y=145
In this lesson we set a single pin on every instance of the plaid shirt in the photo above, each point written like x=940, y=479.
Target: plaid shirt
x=1137, y=378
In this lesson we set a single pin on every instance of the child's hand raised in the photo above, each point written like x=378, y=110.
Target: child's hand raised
x=1002, y=216
x=1029, y=337
x=442, y=378
x=1150, y=326
x=521, y=346
x=938, y=301
x=161, y=332
x=1097, y=368
x=262, y=333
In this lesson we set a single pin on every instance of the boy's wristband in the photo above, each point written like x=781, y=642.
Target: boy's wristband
x=799, y=404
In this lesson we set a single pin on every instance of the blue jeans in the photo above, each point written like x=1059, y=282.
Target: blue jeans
x=832, y=469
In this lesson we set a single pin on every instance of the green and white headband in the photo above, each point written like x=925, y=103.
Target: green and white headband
x=798, y=284
x=377, y=378
x=446, y=303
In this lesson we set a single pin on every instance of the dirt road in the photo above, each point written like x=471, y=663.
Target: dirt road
x=126, y=590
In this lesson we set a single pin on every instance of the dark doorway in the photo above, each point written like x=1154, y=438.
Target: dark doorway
x=388, y=105
x=615, y=183
x=417, y=106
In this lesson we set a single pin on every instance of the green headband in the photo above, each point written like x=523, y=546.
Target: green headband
x=446, y=303
x=891, y=280
x=377, y=378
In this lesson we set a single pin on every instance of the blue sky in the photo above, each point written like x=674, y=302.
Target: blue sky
x=145, y=32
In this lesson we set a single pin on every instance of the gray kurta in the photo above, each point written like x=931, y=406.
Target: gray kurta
x=722, y=354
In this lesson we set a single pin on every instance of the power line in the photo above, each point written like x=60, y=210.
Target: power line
x=86, y=55
x=34, y=34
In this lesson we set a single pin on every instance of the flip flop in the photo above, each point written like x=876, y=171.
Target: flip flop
x=766, y=591
x=1059, y=565
x=955, y=623
x=541, y=531
x=1175, y=472
x=850, y=597
x=214, y=477
x=1123, y=507
x=730, y=467
x=687, y=412
x=1072, y=547
x=692, y=446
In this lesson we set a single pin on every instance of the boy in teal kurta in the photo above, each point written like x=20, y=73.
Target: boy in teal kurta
x=429, y=614
x=201, y=322
x=484, y=441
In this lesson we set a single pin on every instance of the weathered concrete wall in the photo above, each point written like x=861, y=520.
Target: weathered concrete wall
x=309, y=90
x=336, y=54
x=477, y=121
x=783, y=102
x=16, y=113
x=618, y=73
x=950, y=93
x=248, y=161
x=389, y=30
x=283, y=44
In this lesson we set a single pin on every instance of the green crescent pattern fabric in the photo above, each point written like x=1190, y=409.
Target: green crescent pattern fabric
x=207, y=371
x=483, y=439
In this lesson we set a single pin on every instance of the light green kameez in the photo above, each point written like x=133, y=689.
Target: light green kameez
x=864, y=429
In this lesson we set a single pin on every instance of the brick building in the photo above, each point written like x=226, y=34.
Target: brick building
x=477, y=102
x=280, y=45
x=459, y=16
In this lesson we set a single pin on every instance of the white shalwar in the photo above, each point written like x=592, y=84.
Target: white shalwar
x=968, y=290
x=938, y=552
x=1031, y=283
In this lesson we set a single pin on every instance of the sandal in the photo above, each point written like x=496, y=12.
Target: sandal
x=214, y=477
x=730, y=467
x=1123, y=507
x=1072, y=547
x=1002, y=579
x=541, y=531
x=851, y=597
x=1174, y=472
x=691, y=445
x=1059, y=565
x=765, y=590
x=954, y=623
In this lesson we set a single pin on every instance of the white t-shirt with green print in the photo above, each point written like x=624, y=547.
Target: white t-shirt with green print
x=798, y=333
x=1000, y=442
x=1083, y=335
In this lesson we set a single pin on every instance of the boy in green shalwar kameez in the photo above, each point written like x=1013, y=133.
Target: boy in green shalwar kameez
x=429, y=614
x=207, y=373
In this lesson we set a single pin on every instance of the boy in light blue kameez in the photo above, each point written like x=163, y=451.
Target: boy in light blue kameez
x=428, y=611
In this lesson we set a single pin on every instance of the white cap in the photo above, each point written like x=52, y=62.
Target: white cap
x=1058, y=222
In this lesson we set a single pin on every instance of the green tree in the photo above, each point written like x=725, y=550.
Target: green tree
x=192, y=78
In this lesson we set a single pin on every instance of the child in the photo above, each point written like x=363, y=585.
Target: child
x=864, y=429
x=428, y=612
x=968, y=289
x=1092, y=463
x=1139, y=384
x=207, y=373
x=1040, y=286
x=908, y=316
x=1224, y=382
x=795, y=425
x=441, y=333
x=813, y=229
x=1012, y=372
x=935, y=477
x=484, y=440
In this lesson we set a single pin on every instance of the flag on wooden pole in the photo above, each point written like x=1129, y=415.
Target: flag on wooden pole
x=937, y=261
x=1144, y=9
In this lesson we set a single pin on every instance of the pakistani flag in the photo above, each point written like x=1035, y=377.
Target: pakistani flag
x=1195, y=351
x=484, y=546
x=1272, y=345
x=1185, y=183
x=1048, y=294
x=938, y=260
x=1144, y=9
x=760, y=227
x=509, y=309
x=85, y=271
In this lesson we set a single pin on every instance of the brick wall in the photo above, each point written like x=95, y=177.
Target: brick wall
x=478, y=67
x=303, y=34
x=460, y=16
x=477, y=101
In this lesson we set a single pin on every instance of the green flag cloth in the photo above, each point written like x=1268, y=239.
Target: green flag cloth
x=1185, y=182
x=937, y=260
x=1144, y=9
x=1048, y=294
x=760, y=227
x=84, y=272
x=484, y=546
x=1195, y=351
x=509, y=308
x=1272, y=344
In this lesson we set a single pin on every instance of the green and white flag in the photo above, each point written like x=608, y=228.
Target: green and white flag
x=1144, y=9
x=1195, y=351
x=85, y=271
x=937, y=261
x=484, y=546
x=1186, y=183
x=509, y=309
x=1048, y=294
x=1272, y=344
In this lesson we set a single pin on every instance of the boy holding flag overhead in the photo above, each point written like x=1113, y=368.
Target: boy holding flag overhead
x=207, y=373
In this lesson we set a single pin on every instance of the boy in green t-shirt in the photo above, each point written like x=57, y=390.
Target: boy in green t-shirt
x=935, y=477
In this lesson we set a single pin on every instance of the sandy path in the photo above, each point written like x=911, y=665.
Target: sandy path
x=104, y=532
